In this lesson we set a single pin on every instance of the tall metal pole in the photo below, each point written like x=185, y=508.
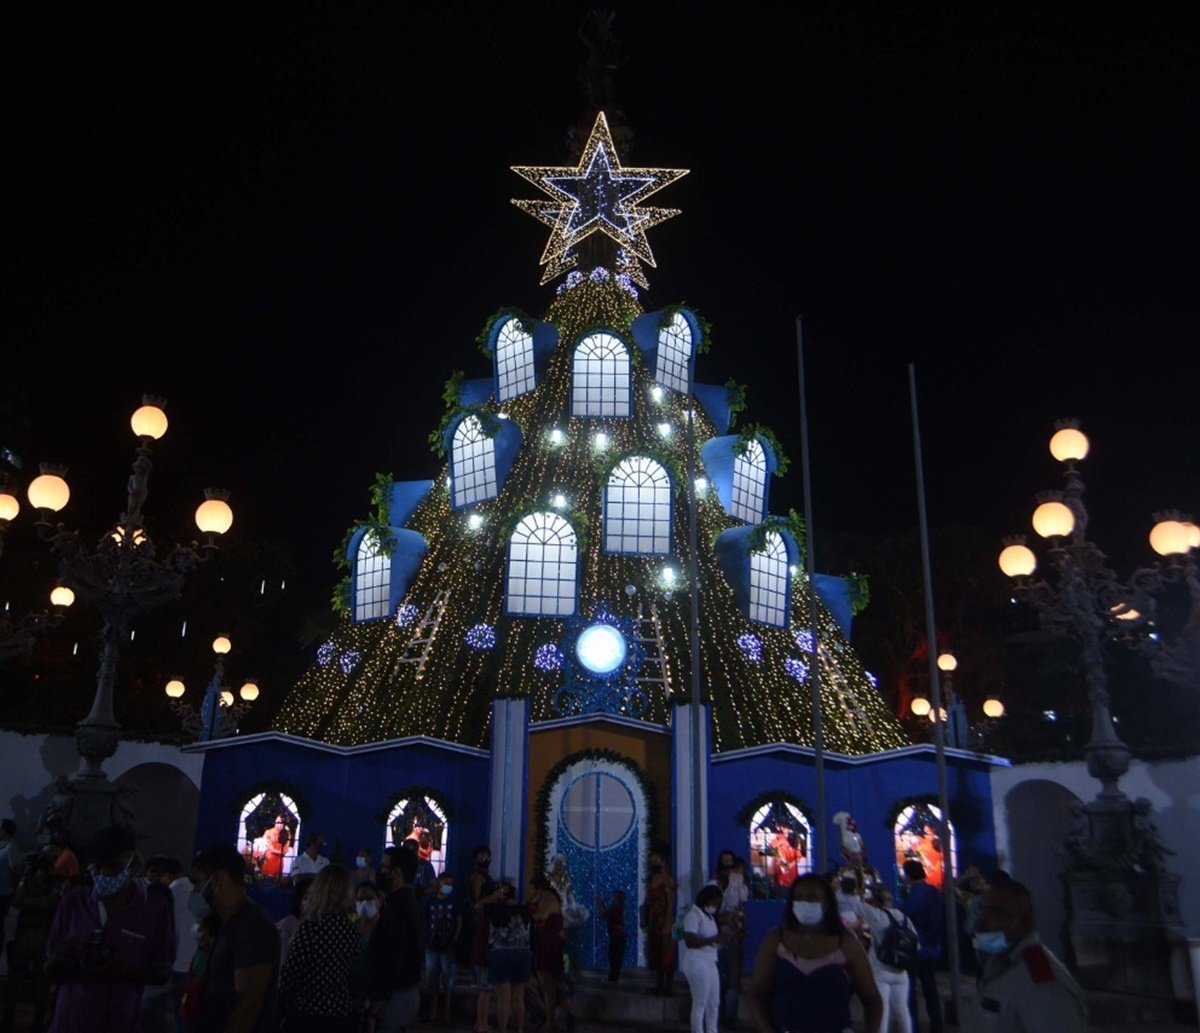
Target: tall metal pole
x=699, y=760
x=814, y=669
x=939, y=733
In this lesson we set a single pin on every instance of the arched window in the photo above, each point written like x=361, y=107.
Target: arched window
x=422, y=819
x=769, y=583
x=268, y=845
x=514, y=361
x=541, y=566
x=472, y=464
x=372, y=580
x=750, y=483
x=637, y=508
x=918, y=836
x=780, y=848
x=600, y=377
x=674, y=355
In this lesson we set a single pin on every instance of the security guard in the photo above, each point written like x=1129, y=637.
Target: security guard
x=1024, y=987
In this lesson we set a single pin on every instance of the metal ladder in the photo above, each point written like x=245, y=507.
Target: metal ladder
x=416, y=649
x=650, y=636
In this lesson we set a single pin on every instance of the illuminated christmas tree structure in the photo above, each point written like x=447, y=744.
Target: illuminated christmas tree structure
x=514, y=661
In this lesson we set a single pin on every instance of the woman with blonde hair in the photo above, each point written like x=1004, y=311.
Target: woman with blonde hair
x=316, y=985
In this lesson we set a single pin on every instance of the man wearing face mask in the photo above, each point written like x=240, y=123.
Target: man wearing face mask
x=241, y=984
x=1023, y=986
x=107, y=942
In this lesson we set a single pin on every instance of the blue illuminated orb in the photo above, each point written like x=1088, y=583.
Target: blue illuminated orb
x=326, y=652
x=797, y=668
x=349, y=660
x=547, y=657
x=405, y=615
x=481, y=636
x=601, y=648
x=804, y=639
x=751, y=647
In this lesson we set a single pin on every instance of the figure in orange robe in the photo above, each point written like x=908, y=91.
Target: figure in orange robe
x=278, y=841
x=786, y=856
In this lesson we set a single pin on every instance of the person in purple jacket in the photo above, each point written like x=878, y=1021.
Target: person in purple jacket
x=107, y=942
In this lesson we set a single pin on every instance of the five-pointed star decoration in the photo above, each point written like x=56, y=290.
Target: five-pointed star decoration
x=596, y=196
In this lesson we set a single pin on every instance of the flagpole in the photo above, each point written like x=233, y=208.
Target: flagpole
x=939, y=735
x=814, y=668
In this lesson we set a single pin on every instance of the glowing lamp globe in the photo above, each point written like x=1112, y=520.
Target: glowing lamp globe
x=993, y=708
x=1194, y=536
x=226, y=698
x=10, y=505
x=1171, y=538
x=221, y=645
x=1068, y=443
x=48, y=491
x=947, y=662
x=601, y=648
x=174, y=688
x=149, y=422
x=213, y=516
x=61, y=595
x=1017, y=560
x=920, y=706
x=1053, y=520
x=249, y=692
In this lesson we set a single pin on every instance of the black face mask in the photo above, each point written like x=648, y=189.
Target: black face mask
x=726, y=863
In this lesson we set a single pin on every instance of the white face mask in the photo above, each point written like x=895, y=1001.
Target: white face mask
x=367, y=908
x=808, y=912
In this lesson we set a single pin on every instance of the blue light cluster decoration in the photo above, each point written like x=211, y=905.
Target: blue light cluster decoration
x=406, y=614
x=547, y=657
x=325, y=653
x=804, y=639
x=751, y=647
x=349, y=660
x=481, y=636
x=588, y=692
x=797, y=668
x=872, y=679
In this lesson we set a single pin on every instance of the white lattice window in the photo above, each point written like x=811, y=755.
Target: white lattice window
x=919, y=835
x=674, y=355
x=472, y=464
x=600, y=377
x=769, y=583
x=749, y=483
x=637, y=508
x=514, y=361
x=422, y=820
x=372, y=580
x=542, y=556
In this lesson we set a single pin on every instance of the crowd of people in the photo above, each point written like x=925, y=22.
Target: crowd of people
x=128, y=943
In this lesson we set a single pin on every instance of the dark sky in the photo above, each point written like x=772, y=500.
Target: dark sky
x=293, y=224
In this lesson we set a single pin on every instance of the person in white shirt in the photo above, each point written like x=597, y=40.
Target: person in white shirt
x=311, y=860
x=186, y=919
x=698, y=958
x=892, y=982
x=731, y=919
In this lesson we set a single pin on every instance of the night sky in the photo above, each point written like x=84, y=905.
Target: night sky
x=293, y=225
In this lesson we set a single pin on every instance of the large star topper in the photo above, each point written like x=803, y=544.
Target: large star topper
x=596, y=196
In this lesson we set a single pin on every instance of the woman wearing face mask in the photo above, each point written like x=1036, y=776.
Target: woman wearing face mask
x=698, y=958
x=807, y=968
x=316, y=982
x=367, y=902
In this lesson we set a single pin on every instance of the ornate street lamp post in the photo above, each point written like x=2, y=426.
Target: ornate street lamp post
x=1124, y=913
x=120, y=576
x=219, y=714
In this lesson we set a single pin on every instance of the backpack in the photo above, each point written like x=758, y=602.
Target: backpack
x=897, y=947
x=439, y=930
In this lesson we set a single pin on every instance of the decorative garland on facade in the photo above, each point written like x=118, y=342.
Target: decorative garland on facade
x=542, y=806
x=702, y=346
x=735, y=399
x=421, y=792
x=292, y=791
x=757, y=430
x=489, y=422
x=525, y=321
x=378, y=525
x=793, y=523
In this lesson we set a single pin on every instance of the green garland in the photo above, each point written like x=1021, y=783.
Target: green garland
x=542, y=806
x=702, y=346
x=860, y=588
x=378, y=525
x=746, y=814
x=757, y=430
x=408, y=793
x=279, y=788
x=793, y=523
x=580, y=523
x=525, y=321
x=605, y=462
x=735, y=399
x=489, y=423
